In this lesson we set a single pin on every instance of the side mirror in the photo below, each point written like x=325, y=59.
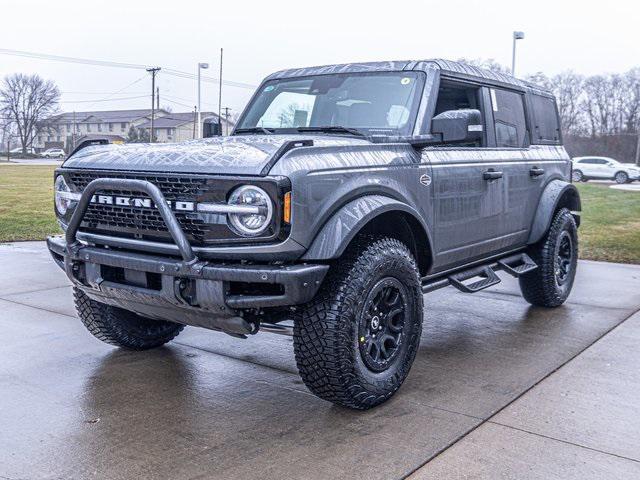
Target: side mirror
x=211, y=128
x=464, y=125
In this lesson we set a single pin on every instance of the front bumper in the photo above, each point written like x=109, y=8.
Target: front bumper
x=188, y=290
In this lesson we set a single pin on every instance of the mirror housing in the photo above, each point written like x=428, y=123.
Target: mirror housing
x=211, y=128
x=464, y=125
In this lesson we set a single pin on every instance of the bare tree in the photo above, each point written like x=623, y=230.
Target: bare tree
x=28, y=100
x=631, y=107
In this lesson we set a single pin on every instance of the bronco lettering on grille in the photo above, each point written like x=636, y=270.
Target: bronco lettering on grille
x=140, y=202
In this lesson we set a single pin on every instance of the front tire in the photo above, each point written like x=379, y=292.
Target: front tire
x=356, y=341
x=621, y=177
x=556, y=254
x=122, y=328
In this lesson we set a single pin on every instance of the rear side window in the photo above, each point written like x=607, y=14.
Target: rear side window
x=545, y=115
x=509, y=119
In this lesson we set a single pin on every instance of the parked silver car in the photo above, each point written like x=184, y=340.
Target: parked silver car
x=605, y=168
x=53, y=153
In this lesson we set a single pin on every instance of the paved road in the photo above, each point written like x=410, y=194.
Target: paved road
x=30, y=161
x=481, y=401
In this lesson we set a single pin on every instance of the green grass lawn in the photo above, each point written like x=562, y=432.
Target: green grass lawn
x=610, y=229
x=26, y=202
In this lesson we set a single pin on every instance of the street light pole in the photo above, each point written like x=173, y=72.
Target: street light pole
x=516, y=36
x=201, y=66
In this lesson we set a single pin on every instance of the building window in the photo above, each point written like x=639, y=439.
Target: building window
x=111, y=127
x=40, y=140
x=99, y=127
x=88, y=127
x=68, y=127
x=169, y=132
x=48, y=138
x=123, y=126
x=58, y=138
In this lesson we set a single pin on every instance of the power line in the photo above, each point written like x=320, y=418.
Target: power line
x=60, y=58
x=106, y=63
x=104, y=99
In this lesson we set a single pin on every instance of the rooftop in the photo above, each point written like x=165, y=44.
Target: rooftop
x=173, y=120
x=104, y=116
x=447, y=66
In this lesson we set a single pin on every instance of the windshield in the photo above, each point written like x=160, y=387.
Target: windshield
x=380, y=103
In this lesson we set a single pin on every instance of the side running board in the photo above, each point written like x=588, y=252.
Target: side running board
x=487, y=278
x=483, y=276
x=517, y=265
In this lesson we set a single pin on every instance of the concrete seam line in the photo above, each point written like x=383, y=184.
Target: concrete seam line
x=235, y=358
x=4, y=297
x=564, y=441
x=37, y=308
x=446, y=447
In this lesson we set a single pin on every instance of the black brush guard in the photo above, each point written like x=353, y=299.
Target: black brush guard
x=83, y=265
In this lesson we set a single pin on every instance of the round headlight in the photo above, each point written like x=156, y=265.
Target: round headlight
x=62, y=199
x=254, y=212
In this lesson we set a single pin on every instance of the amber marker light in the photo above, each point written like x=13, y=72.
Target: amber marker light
x=287, y=207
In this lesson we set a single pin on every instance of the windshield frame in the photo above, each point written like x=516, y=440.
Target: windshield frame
x=414, y=108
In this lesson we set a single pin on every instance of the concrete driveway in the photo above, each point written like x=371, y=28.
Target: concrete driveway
x=486, y=397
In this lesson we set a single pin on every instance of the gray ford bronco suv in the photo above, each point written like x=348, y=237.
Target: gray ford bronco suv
x=344, y=194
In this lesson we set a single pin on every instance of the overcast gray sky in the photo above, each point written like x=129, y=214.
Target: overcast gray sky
x=260, y=37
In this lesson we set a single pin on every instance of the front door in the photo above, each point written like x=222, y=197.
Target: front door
x=468, y=186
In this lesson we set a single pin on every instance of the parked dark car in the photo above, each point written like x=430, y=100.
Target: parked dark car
x=344, y=193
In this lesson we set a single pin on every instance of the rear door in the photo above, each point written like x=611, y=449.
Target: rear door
x=588, y=167
x=512, y=142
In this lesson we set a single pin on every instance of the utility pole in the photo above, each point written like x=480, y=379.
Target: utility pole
x=226, y=117
x=153, y=72
x=195, y=120
x=157, y=98
x=75, y=131
x=220, y=94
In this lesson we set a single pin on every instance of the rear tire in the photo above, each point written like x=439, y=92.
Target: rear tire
x=577, y=176
x=356, y=341
x=122, y=328
x=556, y=254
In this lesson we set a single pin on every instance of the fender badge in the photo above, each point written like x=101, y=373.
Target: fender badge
x=425, y=180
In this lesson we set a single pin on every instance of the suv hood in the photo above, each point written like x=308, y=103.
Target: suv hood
x=239, y=155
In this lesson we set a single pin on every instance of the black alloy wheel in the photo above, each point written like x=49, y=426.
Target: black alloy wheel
x=381, y=325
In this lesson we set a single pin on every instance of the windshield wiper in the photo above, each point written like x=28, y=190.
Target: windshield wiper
x=332, y=129
x=254, y=130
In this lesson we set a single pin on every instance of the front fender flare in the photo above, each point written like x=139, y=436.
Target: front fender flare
x=557, y=192
x=336, y=234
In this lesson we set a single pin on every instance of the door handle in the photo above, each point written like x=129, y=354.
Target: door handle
x=491, y=175
x=536, y=171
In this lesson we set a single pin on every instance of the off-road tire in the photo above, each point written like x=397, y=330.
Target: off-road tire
x=541, y=287
x=122, y=328
x=577, y=176
x=621, y=178
x=327, y=331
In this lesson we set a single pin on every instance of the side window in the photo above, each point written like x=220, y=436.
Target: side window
x=508, y=116
x=547, y=126
x=454, y=96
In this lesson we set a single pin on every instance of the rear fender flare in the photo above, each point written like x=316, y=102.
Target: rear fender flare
x=556, y=193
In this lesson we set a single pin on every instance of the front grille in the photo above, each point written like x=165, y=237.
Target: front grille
x=146, y=222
